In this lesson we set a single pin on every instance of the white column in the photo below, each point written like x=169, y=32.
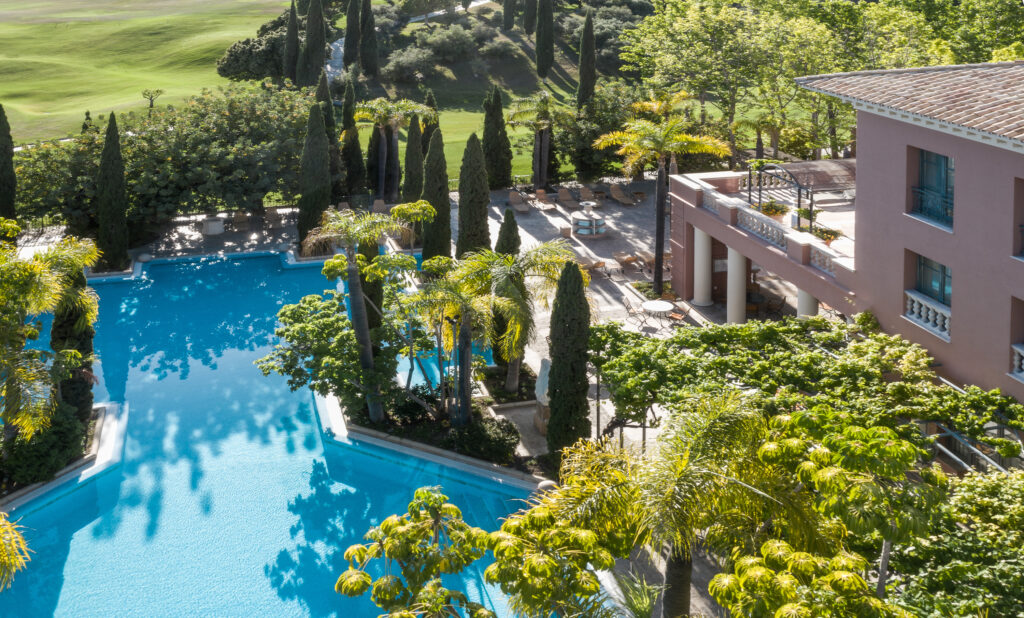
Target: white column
x=806, y=305
x=736, y=289
x=701, y=268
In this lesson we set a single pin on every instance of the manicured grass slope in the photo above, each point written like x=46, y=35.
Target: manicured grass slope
x=58, y=59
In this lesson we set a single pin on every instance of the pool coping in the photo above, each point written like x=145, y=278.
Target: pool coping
x=337, y=430
x=107, y=451
x=289, y=259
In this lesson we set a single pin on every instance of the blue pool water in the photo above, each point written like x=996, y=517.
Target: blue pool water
x=228, y=501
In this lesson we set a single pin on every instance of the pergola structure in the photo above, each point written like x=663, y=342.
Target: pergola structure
x=807, y=177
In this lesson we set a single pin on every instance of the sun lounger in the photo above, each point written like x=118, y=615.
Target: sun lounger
x=567, y=199
x=380, y=207
x=587, y=195
x=620, y=196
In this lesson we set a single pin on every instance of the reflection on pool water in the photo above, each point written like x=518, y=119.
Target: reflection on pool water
x=228, y=502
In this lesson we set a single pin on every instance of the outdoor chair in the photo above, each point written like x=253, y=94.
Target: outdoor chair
x=518, y=202
x=620, y=196
x=773, y=308
x=380, y=207
x=240, y=220
x=567, y=199
x=586, y=195
x=544, y=201
x=634, y=313
x=624, y=259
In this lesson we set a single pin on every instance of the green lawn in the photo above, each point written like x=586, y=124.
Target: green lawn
x=60, y=58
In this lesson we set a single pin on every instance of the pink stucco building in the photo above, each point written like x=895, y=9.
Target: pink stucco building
x=932, y=231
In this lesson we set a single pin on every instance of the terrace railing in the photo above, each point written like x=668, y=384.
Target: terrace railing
x=762, y=227
x=927, y=313
x=823, y=260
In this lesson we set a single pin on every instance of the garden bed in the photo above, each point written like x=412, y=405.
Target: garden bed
x=646, y=289
x=494, y=382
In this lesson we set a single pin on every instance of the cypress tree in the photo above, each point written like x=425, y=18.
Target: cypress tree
x=314, y=173
x=323, y=96
x=111, y=203
x=291, y=45
x=368, y=41
x=8, y=181
x=508, y=15
x=496, y=145
x=413, y=186
x=529, y=16
x=588, y=69
x=353, y=26
x=474, y=198
x=348, y=107
x=312, y=55
x=373, y=162
x=545, y=45
x=72, y=331
x=437, y=235
x=429, y=125
x=352, y=160
x=392, y=169
x=568, y=383
x=508, y=236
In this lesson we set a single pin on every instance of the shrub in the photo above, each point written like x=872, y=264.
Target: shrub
x=483, y=33
x=500, y=48
x=826, y=233
x=409, y=65
x=773, y=208
x=448, y=44
x=405, y=411
x=49, y=450
x=491, y=439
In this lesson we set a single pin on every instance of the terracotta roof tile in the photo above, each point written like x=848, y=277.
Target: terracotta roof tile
x=984, y=97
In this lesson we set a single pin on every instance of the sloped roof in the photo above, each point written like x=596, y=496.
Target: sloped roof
x=986, y=98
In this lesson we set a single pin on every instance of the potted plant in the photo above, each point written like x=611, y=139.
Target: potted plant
x=773, y=209
x=827, y=234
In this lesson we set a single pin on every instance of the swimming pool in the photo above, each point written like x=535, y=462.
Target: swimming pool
x=228, y=500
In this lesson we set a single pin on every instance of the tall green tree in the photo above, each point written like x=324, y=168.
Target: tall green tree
x=314, y=173
x=429, y=124
x=368, y=58
x=353, y=32
x=8, y=181
x=413, y=185
x=568, y=382
x=642, y=142
x=588, y=63
x=291, y=45
x=474, y=198
x=111, y=203
x=313, y=52
x=348, y=107
x=508, y=14
x=352, y=159
x=529, y=16
x=374, y=165
x=545, y=42
x=508, y=242
x=496, y=145
x=437, y=235
x=339, y=187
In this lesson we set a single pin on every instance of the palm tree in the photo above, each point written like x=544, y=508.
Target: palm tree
x=761, y=124
x=522, y=278
x=13, y=551
x=349, y=229
x=642, y=142
x=703, y=462
x=29, y=287
x=451, y=307
x=539, y=114
x=384, y=114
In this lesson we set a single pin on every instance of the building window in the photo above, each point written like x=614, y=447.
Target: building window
x=934, y=280
x=933, y=195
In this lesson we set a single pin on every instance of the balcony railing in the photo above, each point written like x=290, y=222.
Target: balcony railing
x=1017, y=370
x=823, y=260
x=927, y=313
x=762, y=227
x=933, y=205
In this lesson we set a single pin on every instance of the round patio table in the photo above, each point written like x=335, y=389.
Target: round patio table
x=588, y=206
x=657, y=308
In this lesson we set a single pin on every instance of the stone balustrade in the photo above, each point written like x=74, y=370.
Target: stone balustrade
x=823, y=260
x=762, y=227
x=766, y=182
x=927, y=313
x=1017, y=371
